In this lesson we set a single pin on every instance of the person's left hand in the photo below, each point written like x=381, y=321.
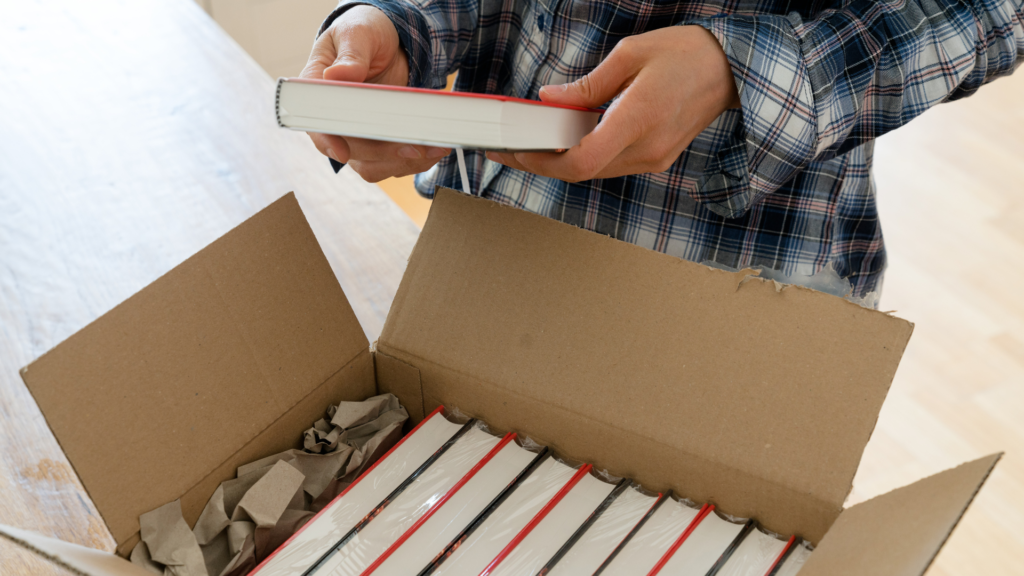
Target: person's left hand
x=671, y=84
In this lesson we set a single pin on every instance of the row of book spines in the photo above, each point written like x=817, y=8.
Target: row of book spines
x=534, y=521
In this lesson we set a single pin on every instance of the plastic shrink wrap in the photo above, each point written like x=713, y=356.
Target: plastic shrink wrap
x=352, y=506
x=497, y=536
x=756, y=555
x=608, y=530
x=703, y=547
x=647, y=547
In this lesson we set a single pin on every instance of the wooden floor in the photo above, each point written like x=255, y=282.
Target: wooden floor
x=402, y=192
x=951, y=196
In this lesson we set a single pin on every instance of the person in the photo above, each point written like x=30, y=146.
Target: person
x=736, y=133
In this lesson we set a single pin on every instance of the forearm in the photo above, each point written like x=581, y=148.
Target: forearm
x=434, y=34
x=812, y=90
x=875, y=66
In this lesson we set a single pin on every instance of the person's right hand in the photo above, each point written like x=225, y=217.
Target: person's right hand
x=362, y=45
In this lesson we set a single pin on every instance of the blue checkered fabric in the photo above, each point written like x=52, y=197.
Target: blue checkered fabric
x=783, y=183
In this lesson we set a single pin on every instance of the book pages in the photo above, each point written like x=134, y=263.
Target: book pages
x=402, y=512
x=754, y=556
x=704, y=547
x=795, y=561
x=435, y=534
x=605, y=534
x=487, y=541
x=648, y=545
x=557, y=527
x=327, y=528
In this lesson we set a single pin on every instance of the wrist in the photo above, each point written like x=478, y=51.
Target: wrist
x=723, y=83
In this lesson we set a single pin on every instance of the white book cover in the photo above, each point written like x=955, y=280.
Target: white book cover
x=491, y=537
x=424, y=545
x=597, y=543
x=703, y=547
x=332, y=523
x=401, y=513
x=647, y=546
x=530, y=555
x=754, y=556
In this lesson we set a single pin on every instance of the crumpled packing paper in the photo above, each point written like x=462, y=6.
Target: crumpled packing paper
x=249, y=516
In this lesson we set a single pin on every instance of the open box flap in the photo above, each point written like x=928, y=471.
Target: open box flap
x=78, y=559
x=899, y=533
x=782, y=384
x=160, y=392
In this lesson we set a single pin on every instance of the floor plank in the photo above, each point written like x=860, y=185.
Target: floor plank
x=951, y=197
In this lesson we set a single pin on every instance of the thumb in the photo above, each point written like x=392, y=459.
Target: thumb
x=355, y=54
x=601, y=85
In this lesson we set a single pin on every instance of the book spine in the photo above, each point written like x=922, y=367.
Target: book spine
x=390, y=498
x=704, y=511
x=623, y=484
x=611, y=557
x=583, y=471
x=747, y=529
x=437, y=411
x=277, y=102
x=466, y=532
x=437, y=505
x=782, y=557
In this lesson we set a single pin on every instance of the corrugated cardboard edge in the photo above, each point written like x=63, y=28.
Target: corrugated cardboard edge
x=901, y=532
x=403, y=380
x=227, y=468
x=354, y=380
x=80, y=560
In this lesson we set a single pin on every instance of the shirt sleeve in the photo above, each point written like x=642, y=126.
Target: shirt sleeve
x=434, y=33
x=812, y=90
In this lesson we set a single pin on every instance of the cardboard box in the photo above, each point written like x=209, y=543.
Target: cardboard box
x=726, y=388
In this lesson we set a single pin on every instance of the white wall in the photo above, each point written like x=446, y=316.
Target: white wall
x=276, y=33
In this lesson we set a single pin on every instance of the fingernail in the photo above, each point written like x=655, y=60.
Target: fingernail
x=331, y=155
x=433, y=152
x=555, y=88
x=493, y=157
x=409, y=152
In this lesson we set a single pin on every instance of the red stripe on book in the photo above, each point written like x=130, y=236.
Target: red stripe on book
x=439, y=93
x=704, y=511
x=437, y=505
x=345, y=491
x=583, y=471
x=781, y=555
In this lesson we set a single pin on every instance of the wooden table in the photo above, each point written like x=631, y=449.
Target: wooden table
x=132, y=134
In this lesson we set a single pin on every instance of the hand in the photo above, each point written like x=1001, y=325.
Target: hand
x=668, y=85
x=362, y=46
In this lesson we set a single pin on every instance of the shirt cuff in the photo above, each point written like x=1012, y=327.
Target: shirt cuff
x=413, y=36
x=776, y=137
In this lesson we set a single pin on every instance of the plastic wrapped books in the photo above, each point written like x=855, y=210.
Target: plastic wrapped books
x=452, y=499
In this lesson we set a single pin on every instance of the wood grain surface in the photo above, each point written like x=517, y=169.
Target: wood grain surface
x=132, y=135
x=950, y=191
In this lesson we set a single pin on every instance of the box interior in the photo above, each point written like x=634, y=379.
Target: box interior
x=223, y=360
x=680, y=376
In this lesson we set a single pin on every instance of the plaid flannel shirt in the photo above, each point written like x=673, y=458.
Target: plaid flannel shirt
x=783, y=183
